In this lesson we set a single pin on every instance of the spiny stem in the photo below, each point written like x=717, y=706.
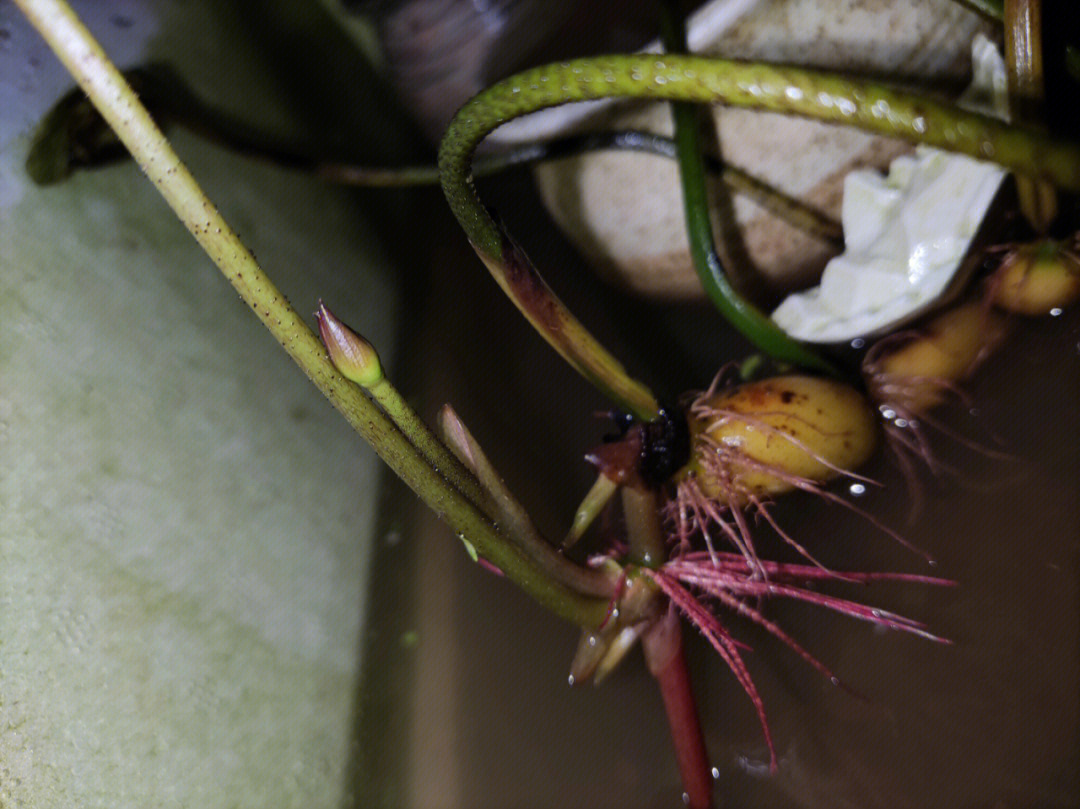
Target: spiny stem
x=814, y=94
x=104, y=85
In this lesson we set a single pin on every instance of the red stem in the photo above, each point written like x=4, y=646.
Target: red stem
x=664, y=655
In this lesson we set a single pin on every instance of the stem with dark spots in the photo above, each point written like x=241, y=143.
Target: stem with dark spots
x=104, y=85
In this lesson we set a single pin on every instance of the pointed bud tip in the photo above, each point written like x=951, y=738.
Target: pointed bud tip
x=350, y=353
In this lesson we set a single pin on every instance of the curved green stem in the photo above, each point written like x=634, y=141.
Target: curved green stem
x=809, y=93
x=105, y=86
x=751, y=322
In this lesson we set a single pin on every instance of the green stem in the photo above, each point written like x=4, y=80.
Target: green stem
x=809, y=93
x=644, y=530
x=104, y=85
x=814, y=94
x=739, y=312
x=589, y=509
x=419, y=434
x=790, y=209
x=514, y=522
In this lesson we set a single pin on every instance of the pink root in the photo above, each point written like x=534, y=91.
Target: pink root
x=729, y=579
x=692, y=511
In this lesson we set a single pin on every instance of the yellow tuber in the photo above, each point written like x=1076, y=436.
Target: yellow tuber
x=767, y=437
x=1037, y=278
x=913, y=371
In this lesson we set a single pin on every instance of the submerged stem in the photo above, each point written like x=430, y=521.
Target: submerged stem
x=739, y=312
x=644, y=529
x=666, y=660
x=104, y=85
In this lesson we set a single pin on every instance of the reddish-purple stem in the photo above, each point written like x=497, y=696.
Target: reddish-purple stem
x=726, y=646
x=667, y=662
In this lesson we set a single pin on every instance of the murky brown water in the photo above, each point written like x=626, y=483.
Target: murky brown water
x=991, y=721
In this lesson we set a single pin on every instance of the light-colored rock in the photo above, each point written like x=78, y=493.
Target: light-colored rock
x=624, y=211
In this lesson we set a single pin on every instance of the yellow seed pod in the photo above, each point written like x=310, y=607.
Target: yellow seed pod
x=758, y=439
x=1036, y=278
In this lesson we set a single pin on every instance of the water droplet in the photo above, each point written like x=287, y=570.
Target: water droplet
x=685, y=799
x=1055, y=312
x=715, y=773
x=570, y=679
x=834, y=680
x=858, y=489
x=858, y=342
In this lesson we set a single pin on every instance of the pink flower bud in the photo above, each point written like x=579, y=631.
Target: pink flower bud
x=350, y=353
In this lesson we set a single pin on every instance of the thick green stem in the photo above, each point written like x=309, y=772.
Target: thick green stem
x=796, y=91
x=644, y=530
x=809, y=93
x=104, y=85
